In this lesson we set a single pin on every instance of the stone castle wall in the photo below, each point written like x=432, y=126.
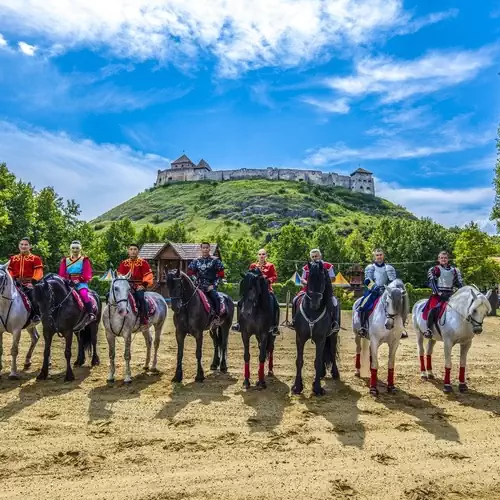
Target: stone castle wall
x=359, y=182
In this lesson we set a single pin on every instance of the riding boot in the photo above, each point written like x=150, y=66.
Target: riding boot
x=430, y=322
x=336, y=319
x=89, y=310
x=236, y=326
x=35, y=311
x=276, y=315
x=363, y=318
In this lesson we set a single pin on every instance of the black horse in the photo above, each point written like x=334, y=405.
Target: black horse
x=313, y=320
x=256, y=316
x=190, y=317
x=61, y=314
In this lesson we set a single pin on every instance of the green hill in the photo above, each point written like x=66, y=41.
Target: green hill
x=250, y=207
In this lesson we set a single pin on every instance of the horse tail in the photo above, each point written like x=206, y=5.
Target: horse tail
x=270, y=344
x=331, y=350
x=86, y=338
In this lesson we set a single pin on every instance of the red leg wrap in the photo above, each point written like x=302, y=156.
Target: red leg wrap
x=390, y=376
x=247, y=370
x=261, y=371
x=447, y=378
x=429, y=363
x=373, y=378
x=271, y=362
x=422, y=364
x=358, y=361
x=461, y=375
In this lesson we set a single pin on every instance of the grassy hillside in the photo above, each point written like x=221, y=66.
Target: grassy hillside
x=248, y=207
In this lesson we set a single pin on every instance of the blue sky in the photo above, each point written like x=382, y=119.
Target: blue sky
x=96, y=96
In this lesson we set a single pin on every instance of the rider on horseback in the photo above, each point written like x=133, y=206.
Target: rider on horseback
x=377, y=276
x=315, y=255
x=141, y=277
x=25, y=268
x=77, y=269
x=269, y=272
x=208, y=271
x=443, y=278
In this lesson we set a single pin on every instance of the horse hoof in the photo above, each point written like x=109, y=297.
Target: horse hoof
x=319, y=391
x=199, y=378
x=27, y=365
x=213, y=367
x=424, y=376
x=154, y=370
x=77, y=364
x=177, y=379
x=246, y=384
x=270, y=373
x=463, y=387
x=261, y=384
x=430, y=376
x=96, y=362
x=373, y=391
x=145, y=368
x=336, y=375
x=127, y=381
x=357, y=373
x=223, y=369
x=42, y=376
x=297, y=389
x=447, y=388
x=14, y=376
x=110, y=380
x=69, y=378
x=391, y=389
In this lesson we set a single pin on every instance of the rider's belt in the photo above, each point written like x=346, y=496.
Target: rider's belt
x=75, y=276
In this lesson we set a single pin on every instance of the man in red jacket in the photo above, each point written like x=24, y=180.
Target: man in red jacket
x=269, y=272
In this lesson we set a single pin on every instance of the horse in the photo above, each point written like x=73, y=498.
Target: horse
x=462, y=321
x=385, y=326
x=120, y=320
x=14, y=316
x=62, y=313
x=191, y=317
x=313, y=320
x=256, y=317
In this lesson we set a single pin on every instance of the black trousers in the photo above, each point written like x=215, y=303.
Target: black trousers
x=213, y=297
x=432, y=317
x=275, y=308
x=141, y=303
x=35, y=311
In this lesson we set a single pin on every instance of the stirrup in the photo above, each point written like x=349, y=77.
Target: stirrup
x=428, y=333
x=236, y=327
x=363, y=332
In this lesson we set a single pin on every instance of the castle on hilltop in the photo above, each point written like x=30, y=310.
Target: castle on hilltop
x=183, y=169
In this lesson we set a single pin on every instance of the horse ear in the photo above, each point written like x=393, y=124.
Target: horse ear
x=242, y=275
x=178, y=273
x=474, y=295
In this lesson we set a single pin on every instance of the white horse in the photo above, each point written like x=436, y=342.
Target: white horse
x=121, y=321
x=462, y=320
x=13, y=318
x=385, y=325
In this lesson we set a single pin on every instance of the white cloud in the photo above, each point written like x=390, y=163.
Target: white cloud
x=3, y=41
x=242, y=34
x=26, y=48
x=397, y=80
x=339, y=106
x=98, y=176
x=432, y=18
x=453, y=207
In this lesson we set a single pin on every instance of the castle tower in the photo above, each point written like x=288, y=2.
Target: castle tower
x=362, y=182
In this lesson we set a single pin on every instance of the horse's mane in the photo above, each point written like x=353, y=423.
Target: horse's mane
x=185, y=278
x=258, y=277
x=462, y=297
x=315, y=272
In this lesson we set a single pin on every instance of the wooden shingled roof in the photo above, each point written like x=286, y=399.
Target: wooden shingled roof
x=185, y=251
x=149, y=251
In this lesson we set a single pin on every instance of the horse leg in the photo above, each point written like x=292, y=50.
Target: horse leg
x=447, y=366
x=270, y=361
x=34, y=340
x=393, y=347
x=334, y=344
x=127, y=355
x=420, y=348
x=68, y=337
x=95, y=357
x=373, y=366
x=357, y=363
x=298, y=385
x=44, y=372
x=216, y=360
x=110, y=337
x=319, y=367
x=158, y=329
x=224, y=338
x=80, y=359
x=464, y=349
x=1, y=351
x=14, y=351
x=200, y=376
x=149, y=341
x=430, y=347
x=261, y=383
x=180, y=354
x=246, y=358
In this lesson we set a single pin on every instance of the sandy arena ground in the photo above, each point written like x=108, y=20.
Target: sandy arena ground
x=156, y=441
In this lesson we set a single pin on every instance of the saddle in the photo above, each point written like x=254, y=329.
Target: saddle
x=431, y=304
x=149, y=301
x=373, y=306
x=208, y=306
x=80, y=303
x=24, y=297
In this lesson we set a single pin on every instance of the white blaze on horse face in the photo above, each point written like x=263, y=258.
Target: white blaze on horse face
x=119, y=292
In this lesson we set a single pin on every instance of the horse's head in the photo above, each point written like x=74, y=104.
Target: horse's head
x=479, y=308
x=316, y=283
x=253, y=286
x=44, y=291
x=5, y=279
x=395, y=303
x=119, y=292
x=175, y=289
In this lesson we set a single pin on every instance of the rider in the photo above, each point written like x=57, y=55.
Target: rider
x=269, y=272
x=77, y=269
x=141, y=277
x=315, y=255
x=442, y=279
x=208, y=272
x=377, y=276
x=24, y=269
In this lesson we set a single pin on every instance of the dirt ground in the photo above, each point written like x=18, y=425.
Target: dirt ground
x=152, y=440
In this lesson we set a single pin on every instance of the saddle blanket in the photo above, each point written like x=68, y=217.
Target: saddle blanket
x=373, y=306
x=79, y=301
x=431, y=304
x=149, y=301
x=26, y=301
x=208, y=306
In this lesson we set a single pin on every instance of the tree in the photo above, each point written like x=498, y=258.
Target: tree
x=495, y=212
x=175, y=233
x=289, y=250
x=6, y=190
x=329, y=242
x=116, y=240
x=148, y=234
x=355, y=247
x=238, y=256
x=473, y=250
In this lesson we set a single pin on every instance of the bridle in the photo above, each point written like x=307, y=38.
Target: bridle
x=114, y=305
x=183, y=304
x=3, y=285
x=52, y=308
x=310, y=322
